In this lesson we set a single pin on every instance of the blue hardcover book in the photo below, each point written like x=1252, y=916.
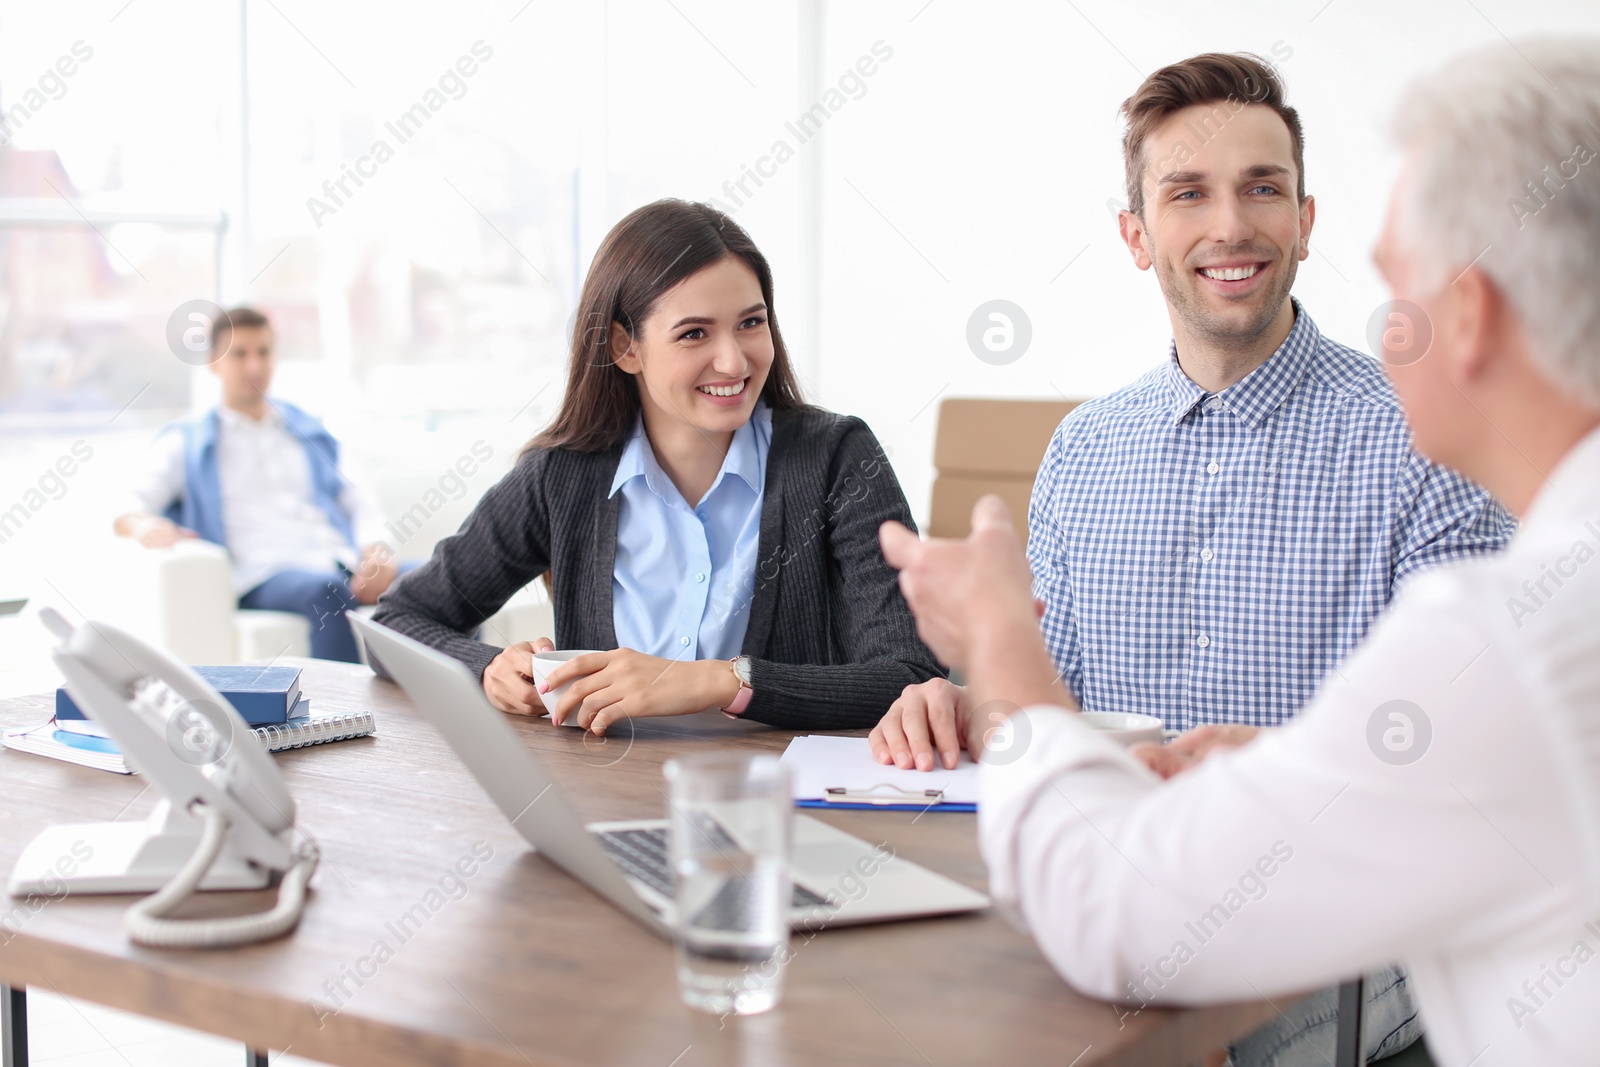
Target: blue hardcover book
x=260, y=694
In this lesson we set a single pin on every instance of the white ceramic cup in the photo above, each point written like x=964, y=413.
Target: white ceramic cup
x=545, y=662
x=1125, y=726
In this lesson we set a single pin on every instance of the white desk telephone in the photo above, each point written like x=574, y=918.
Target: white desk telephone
x=226, y=820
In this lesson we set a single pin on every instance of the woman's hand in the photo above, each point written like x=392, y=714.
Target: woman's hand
x=506, y=682
x=608, y=687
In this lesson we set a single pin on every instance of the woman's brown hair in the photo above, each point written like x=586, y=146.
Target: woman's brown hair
x=643, y=257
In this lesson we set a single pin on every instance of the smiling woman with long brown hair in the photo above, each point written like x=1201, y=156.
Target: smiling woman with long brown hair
x=700, y=522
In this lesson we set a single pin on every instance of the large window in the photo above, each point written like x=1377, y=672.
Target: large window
x=111, y=211
x=412, y=195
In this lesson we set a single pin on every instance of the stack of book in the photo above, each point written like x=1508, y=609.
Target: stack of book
x=260, y=695
x=267, y=698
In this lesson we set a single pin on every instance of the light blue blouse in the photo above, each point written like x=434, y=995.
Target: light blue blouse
x=684, y=577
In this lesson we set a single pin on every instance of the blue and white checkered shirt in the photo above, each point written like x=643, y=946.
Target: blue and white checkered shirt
x=1209, y=557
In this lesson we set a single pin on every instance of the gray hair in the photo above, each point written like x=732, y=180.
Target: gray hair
x=1504, y=148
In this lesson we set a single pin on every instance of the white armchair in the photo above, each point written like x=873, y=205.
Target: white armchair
x=182, y=600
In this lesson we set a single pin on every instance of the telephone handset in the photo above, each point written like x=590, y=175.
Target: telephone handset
x=226, y=820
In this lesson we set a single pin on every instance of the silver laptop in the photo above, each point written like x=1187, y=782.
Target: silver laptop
x=626, y=862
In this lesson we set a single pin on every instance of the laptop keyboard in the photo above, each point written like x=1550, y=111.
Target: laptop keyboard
x=643, y=855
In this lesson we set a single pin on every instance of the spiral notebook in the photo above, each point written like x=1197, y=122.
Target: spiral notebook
x=102, y=753
x=316, y=730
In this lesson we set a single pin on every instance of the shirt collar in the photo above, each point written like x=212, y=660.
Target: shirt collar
x=744, y=456
x=1568, y=491
x=1257, y=394
x=743, y=459
x=637, y=459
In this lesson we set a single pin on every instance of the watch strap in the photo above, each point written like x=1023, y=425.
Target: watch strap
x=742, y=699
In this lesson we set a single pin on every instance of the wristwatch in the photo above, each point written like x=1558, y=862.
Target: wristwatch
x=741, y=671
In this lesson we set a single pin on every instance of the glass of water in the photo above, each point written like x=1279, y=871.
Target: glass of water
x=732, y=819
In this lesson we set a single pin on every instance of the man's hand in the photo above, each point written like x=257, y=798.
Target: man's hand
x=153, y=531
x=974, y=607
x=1192, y=747
x=957, y=589
x=374, y=574
x=506, y=681
x=928, y=721
x=608, y=687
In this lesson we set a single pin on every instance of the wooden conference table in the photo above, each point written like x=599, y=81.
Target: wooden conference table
x=520, y=965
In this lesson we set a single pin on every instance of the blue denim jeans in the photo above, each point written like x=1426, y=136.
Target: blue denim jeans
x=322, y=597
x=1305, y=1034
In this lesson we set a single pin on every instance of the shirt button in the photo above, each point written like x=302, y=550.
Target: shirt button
x=1203, y=641
x=1206, y=554
x=700, y=577
x=1214, y=403
x=1212, y=468
x=683, y=640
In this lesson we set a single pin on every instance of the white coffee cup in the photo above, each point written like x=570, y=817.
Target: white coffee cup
x=545, y=662
x=1125, y=726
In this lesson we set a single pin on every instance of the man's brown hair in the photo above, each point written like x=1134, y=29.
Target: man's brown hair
x=239, y=318
x=1217, y=78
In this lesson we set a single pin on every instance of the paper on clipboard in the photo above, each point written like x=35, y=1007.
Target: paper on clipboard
x=819, y=762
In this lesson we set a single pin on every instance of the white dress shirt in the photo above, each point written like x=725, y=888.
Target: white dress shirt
x=270, y=517
x=1435, y=806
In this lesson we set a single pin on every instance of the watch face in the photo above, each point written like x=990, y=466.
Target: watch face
x=741, y=667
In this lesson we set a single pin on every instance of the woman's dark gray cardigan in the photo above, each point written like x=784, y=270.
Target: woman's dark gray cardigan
x=830, y=638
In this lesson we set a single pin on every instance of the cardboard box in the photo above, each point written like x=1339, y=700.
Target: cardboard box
x=988, y=446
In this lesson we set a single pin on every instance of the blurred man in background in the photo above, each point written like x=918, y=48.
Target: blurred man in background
x=265, y=480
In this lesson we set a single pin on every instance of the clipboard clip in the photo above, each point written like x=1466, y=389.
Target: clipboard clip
x=882, y=793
